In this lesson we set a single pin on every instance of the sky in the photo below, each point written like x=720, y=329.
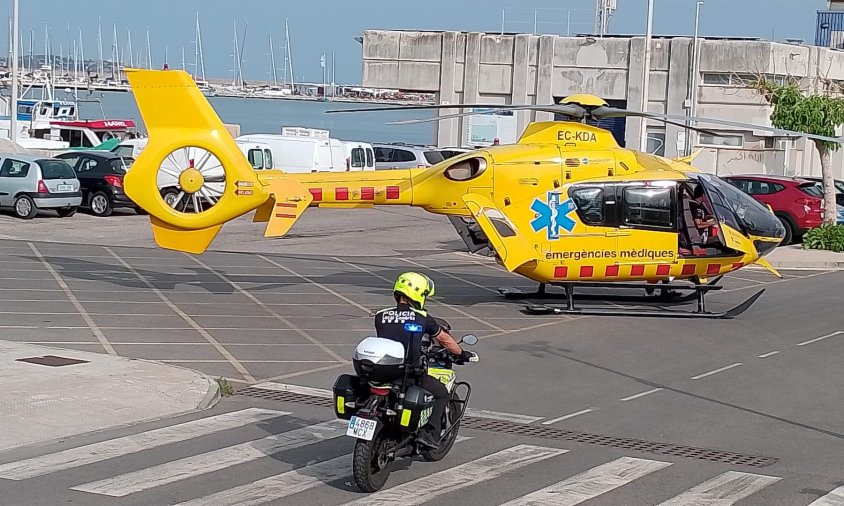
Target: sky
x=332, y=25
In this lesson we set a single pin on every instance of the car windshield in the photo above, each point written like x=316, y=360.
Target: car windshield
x=434, y=157
x=731, y=203
x=122, y=164
x=56, y=169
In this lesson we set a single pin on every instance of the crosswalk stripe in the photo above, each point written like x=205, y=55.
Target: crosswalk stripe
x=723, y=490
x=591, y=483
x=215, y=460
x=283, y=485
x=486, y=468
x=834, y=498
x=83, y=455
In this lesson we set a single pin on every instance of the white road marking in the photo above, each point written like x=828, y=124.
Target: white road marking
x=592, y=483
x=268, y=309
x=435, y=485
x=284, y=484
x=498, y=415
x=297, y=389
x=723, y=490
x=566, y=417
x=769, y=354
x=810, y=341
x=716, y=371
x=215, y=460
x=190, y=321
x=78, y=305
x=104, y=450
x=834, y=498
x=642, y=394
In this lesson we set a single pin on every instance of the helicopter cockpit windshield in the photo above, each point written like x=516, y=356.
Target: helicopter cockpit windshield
x=739, y=210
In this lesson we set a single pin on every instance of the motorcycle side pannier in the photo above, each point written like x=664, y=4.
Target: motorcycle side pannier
x=347, y=388
x=418, y=406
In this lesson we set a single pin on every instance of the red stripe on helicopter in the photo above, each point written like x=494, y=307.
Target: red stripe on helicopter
x=341, y=193
x=316, y=192
x=637, y=270
x=586, y=271
x=367, y=193
x=393, y=192
x=663, y=270
x=561, y=271
x=713, y=269
x=285, y=204
x=688, y=269
x=612, y=271
x=738, y=265
x=282, y=215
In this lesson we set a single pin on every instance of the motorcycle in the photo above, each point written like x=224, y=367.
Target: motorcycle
x=386, y=409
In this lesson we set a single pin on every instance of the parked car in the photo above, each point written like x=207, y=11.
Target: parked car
x=101, y=174
x=399, y=155
x=452, y=152
x=30, y=183
x=797, y=202
x=839, y=188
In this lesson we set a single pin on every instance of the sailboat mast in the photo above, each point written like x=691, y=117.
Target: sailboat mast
x=131, y=55
x=149, y=52
x=289, y=57
x=272, y=63
x=31, y=50
x=13, y=103
x=240, y=58
x=83, y=66
x=100, y=69
x=234, y=56
x=200, y=60
x=183, y=60
x=115, y=54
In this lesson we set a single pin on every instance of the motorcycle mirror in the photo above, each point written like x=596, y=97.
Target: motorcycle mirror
x=469, y=339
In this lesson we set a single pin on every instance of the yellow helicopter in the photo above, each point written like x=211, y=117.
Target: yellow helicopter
x=565, y=205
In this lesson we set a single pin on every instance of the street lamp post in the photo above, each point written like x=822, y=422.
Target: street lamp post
x=695, y=74
x=643, y=140
x=13, y=104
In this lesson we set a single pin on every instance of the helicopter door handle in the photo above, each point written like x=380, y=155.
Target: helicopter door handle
x=529, y=180
x=618, y=233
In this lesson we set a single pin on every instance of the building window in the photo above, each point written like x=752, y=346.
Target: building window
x=656, y=142
x=738, y=80
x=732, y=141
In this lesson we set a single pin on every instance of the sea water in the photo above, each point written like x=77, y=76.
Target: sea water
x=256, y=115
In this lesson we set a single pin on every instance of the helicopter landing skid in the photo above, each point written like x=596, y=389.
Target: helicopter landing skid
x=699, y=293
x=666, y=293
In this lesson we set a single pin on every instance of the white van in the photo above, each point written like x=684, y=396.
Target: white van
x=294, y=153
x=359, y=156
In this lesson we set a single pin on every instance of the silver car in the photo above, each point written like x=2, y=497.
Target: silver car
x=399, y=155
x=29, y=183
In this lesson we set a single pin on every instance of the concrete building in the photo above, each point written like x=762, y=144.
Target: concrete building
x=543, y=69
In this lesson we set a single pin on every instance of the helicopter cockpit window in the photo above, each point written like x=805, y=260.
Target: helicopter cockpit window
x=465, y=170
x=590, y=205
x=649, y=207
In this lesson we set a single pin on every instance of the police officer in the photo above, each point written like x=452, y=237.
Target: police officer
x=410, y=291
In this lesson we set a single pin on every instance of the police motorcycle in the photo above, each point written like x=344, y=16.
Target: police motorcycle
x=386, y=410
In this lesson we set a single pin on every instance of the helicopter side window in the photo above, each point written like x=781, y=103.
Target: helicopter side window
x=648, y=207
x=590, y=205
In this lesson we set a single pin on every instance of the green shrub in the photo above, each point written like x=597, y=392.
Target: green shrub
x=827, y=237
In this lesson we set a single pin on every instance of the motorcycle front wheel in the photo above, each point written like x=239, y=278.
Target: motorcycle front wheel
x=371, y=465
x=453, y=414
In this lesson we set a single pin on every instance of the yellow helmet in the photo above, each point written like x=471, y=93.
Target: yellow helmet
x=416, y=287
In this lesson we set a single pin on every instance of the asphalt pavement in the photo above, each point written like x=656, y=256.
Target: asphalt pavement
x=613, y=410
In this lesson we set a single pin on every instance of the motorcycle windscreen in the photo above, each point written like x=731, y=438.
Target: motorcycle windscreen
x=513, y=249
x=739, y=214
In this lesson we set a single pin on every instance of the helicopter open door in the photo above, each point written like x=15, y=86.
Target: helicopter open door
x=512, y=248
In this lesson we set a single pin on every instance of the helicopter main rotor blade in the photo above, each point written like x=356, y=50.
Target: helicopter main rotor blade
x=567, y=110
x=614, y=112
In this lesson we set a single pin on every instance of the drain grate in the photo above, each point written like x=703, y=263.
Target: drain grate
x=52, y=361
x=546, y=432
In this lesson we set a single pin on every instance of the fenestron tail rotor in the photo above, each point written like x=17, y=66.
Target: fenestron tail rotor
x=190, y=152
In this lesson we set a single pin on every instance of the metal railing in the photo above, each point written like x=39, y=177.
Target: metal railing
x=548, y=21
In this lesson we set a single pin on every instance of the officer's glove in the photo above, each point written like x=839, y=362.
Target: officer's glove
x=468, y=356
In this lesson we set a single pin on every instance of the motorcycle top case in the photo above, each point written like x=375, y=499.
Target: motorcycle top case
x=379, y=360
x=347, y=388
x=418, y=406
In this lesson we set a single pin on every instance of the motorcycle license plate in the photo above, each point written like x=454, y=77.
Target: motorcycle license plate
x=361, y=428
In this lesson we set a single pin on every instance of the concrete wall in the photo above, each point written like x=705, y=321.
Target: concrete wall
x=469, y=67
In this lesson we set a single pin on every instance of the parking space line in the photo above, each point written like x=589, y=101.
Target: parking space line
x=316, y=284
x=458, y=278
x=453, y=308
x=303, y=373
x=268, y=309
x=716, y=371
x=79, y=307
x=810, y=341
x=774, y=282
x=769, y=354
x=190, y=321
x=566, y=417
x=641, y=394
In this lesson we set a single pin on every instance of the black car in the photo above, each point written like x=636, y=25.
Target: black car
x=839, y=187
x=100, y=175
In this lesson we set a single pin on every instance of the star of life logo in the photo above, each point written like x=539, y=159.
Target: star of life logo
x=553, y=215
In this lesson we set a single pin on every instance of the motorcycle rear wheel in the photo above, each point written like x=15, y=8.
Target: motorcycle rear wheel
x=445, y=447
x=371, y=466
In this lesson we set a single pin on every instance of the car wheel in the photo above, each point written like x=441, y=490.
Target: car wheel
x=25, y=207
x=169, y=195
x=66, y=212
x=789, y=233
x=100, y=204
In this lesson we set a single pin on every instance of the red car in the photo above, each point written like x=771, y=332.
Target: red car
x=798, y=203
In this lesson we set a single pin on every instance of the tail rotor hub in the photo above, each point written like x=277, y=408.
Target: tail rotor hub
x=191, y=180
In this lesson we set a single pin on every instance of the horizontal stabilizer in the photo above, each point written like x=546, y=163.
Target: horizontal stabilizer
x=513, y=249
x=689, y=159
x=288, y=200
x=179, y=239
